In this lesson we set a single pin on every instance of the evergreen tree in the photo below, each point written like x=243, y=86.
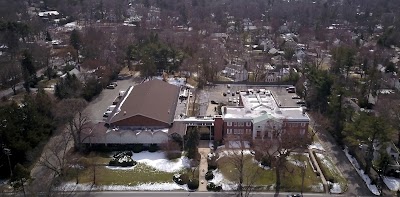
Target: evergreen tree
x=193, y=138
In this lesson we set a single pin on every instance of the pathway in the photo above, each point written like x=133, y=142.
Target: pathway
x=203, y=167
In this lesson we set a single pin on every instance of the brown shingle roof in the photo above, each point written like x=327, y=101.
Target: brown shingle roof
x=154, y=99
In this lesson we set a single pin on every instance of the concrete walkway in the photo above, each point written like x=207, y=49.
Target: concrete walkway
x=318, y=169
x=203, y=167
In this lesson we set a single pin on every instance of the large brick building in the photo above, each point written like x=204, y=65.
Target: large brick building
x=259, y=116
x=147, y=114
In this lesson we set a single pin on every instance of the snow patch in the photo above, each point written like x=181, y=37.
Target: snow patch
x=158, y=161
x=316, y=146
x=336, y=189
x=120, y=168
x=392, y=183
x=317, y=188
x=144, y=187
x=219, y=179
x=365, y=177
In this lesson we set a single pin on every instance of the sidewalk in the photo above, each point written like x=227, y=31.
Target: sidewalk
x=203, y=167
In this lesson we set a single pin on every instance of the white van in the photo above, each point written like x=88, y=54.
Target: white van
x=111, y=107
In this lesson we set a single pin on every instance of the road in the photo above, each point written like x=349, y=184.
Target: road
x=192, y=194
x=356, y=186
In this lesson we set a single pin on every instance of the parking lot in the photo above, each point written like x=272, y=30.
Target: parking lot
x=216, y=94
x=97, y=107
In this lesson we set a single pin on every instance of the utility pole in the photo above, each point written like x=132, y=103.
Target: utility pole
x=7, y=151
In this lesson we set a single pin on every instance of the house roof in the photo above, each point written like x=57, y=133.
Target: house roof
x=154, y=99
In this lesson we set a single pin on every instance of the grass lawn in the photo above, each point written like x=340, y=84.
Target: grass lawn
x=331, y=173
x=291, y=177
x=141, y=173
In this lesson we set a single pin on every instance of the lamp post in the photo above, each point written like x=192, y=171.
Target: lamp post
x=303, y=170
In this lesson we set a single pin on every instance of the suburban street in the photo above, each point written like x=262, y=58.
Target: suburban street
x=192, y=194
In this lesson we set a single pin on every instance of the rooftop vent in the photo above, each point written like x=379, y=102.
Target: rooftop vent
x=124, y=112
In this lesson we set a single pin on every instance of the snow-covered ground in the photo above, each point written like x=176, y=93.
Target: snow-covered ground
x=365, y=177
x=120, y=168
x=336, y=188
x=316, y=146
x=142, y=187
x=219, y=179
x=158, y=161
x=317, y=188
x=392, y=183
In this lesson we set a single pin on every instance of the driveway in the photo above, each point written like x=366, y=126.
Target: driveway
x=356, y=186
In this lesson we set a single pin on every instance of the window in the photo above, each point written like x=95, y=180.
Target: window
x=248, y=131
x=235, y=124
x=248, y=124
x=241, y=124
x=258, y=134
x=229, y=131
x=229, y=124
x=238, y=131
x=302, y=131
x=303, y=124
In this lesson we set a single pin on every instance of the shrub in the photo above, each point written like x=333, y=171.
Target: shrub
x=209, y=175
x=180, y=179
x=212, y=166
x=193, y=184
x=122, y=159
x=172, y=155
x=212, y=187
x=113, y=162
x=153, y=148
x=137, y=148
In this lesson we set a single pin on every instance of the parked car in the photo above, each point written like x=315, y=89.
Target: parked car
x=106, y=114
x=294, y=195
x=114, y=83
x=233, y=94
x=229, y=100
x=214, y=102
x=237, y=92
x=111, y=86
x=300, y=102
x=296, y=97
x=228, y=86
x=224, y=94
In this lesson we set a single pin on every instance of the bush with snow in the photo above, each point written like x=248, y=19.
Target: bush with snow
x=213, y=187
x=209, y=175
x=123, y=159
x=180, y=179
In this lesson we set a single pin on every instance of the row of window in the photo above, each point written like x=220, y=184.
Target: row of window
x=238, y=124
x=303, y=124
x=238, y=131
x=276, y=134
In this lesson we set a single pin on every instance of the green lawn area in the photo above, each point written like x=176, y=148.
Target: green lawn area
x=291, y=179
x=141, y=173
x=330, y=172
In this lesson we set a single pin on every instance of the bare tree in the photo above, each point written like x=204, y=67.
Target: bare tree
x=245, y=177
x=71, y=111
x=278, y=143
x=10, y=76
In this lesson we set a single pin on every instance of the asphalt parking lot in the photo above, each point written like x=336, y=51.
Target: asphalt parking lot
x=215, y=93
x=97, y=107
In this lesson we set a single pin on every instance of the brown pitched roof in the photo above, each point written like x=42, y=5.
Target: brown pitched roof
x=154, y=99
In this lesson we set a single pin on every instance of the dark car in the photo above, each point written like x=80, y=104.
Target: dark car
x=214, y=102
x=233, y=94
x=224, y=94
